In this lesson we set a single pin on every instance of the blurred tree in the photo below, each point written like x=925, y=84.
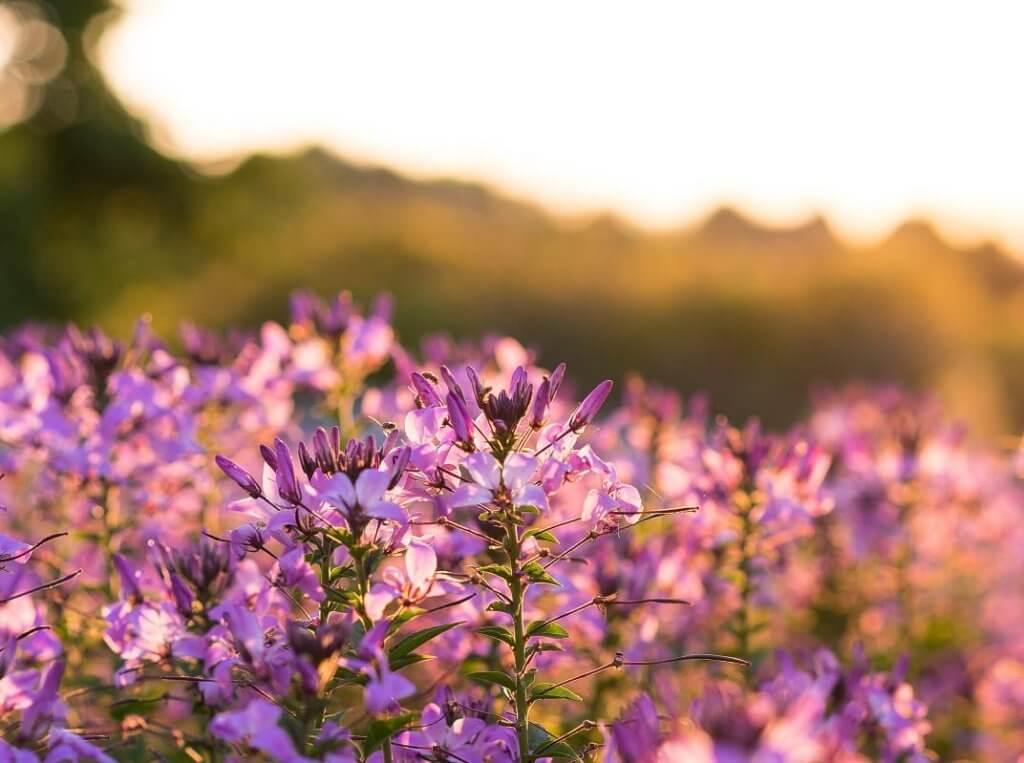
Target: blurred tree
x=72, y=167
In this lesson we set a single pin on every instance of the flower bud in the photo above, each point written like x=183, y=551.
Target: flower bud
x=452, y=383
x=239, y=476
x=556, y=380
x=479, y=390
x=539, y=410
x=306, y=460
x=268, y=457
x=591, y=404
x=322, y=450
x=400, y=460
x=458, y=416
x=287, y=484
x=425, y=392
x=182, y=596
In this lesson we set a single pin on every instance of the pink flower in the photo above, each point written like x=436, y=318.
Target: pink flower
x=494, y=482
x=365, y=497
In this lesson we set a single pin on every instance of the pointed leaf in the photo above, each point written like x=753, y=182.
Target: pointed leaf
x=539, y=742
x=494, y=677
x=385, y=728
x=544, y=690
x=538, y=574
x=539, y=628
x=497, y=633
x=415, y=640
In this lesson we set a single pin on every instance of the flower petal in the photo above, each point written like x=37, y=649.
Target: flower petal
x=468, y=494
x=484, y=469
x=518, y=469
x=370, y=487
x=420, y=563
x=531, y=495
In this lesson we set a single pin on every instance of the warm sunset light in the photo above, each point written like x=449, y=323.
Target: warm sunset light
x=660, y=111
x=464, y=382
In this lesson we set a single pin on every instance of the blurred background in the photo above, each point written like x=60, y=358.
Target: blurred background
x=746, y=201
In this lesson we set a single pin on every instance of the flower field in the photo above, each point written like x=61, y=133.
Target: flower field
x=311, y=542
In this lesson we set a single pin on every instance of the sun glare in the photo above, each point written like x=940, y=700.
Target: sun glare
x=869, y=114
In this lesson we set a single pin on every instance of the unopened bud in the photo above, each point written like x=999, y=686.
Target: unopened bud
x=239, y=476
x=591, y=404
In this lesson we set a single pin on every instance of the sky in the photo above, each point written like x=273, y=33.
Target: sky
x=868, y=113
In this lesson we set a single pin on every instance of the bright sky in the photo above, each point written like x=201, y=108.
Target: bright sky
x=869, y=112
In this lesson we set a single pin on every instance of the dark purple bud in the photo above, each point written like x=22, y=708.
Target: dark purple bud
x=425, y=391
x=306, y=460
x=287, y=484
x=383, y=307
x=268, y=457
x=322, y=450
x=479, y=390
x=459, y=418
x=452, y=383
x=338, y=313
x=303, y=307
x=129, y=578
x=239, y=476
x=400, y=460
x=539, y=411
x=336, y=439
x=182, y=596
x=390, y=441
x=556, y=380
x=519, y=380
x=591, y=404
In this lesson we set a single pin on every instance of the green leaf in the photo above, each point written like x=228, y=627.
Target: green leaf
x=539, y=534
x=499, y=606
x=545, y=690
x=417, y=639
x=543, y=646
x=494, y=677
x=501, y=570
x=349, y=598
x=135, y=706
x=385, y=728
x=497, y=633
x=539, y=628
x=410, y=659
x=540, y=736
x=538, y=574
x=403, y=616
x=341, y=572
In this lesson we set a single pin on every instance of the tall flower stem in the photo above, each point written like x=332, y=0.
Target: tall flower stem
x=744, y=627
x=517, y=587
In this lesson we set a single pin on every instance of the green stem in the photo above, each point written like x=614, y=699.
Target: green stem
x=518, y=591
x=386, y=749
x=744, y=626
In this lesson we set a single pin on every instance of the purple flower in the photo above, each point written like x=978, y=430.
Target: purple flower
x=364, y=498
x=459, y=418
x=240, y=476
x=591, y=404
x=287, y=484
x=385, y=688
x=255, y=726
x=494, y=482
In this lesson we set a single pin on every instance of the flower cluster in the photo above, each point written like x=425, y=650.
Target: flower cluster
x=310, y=543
